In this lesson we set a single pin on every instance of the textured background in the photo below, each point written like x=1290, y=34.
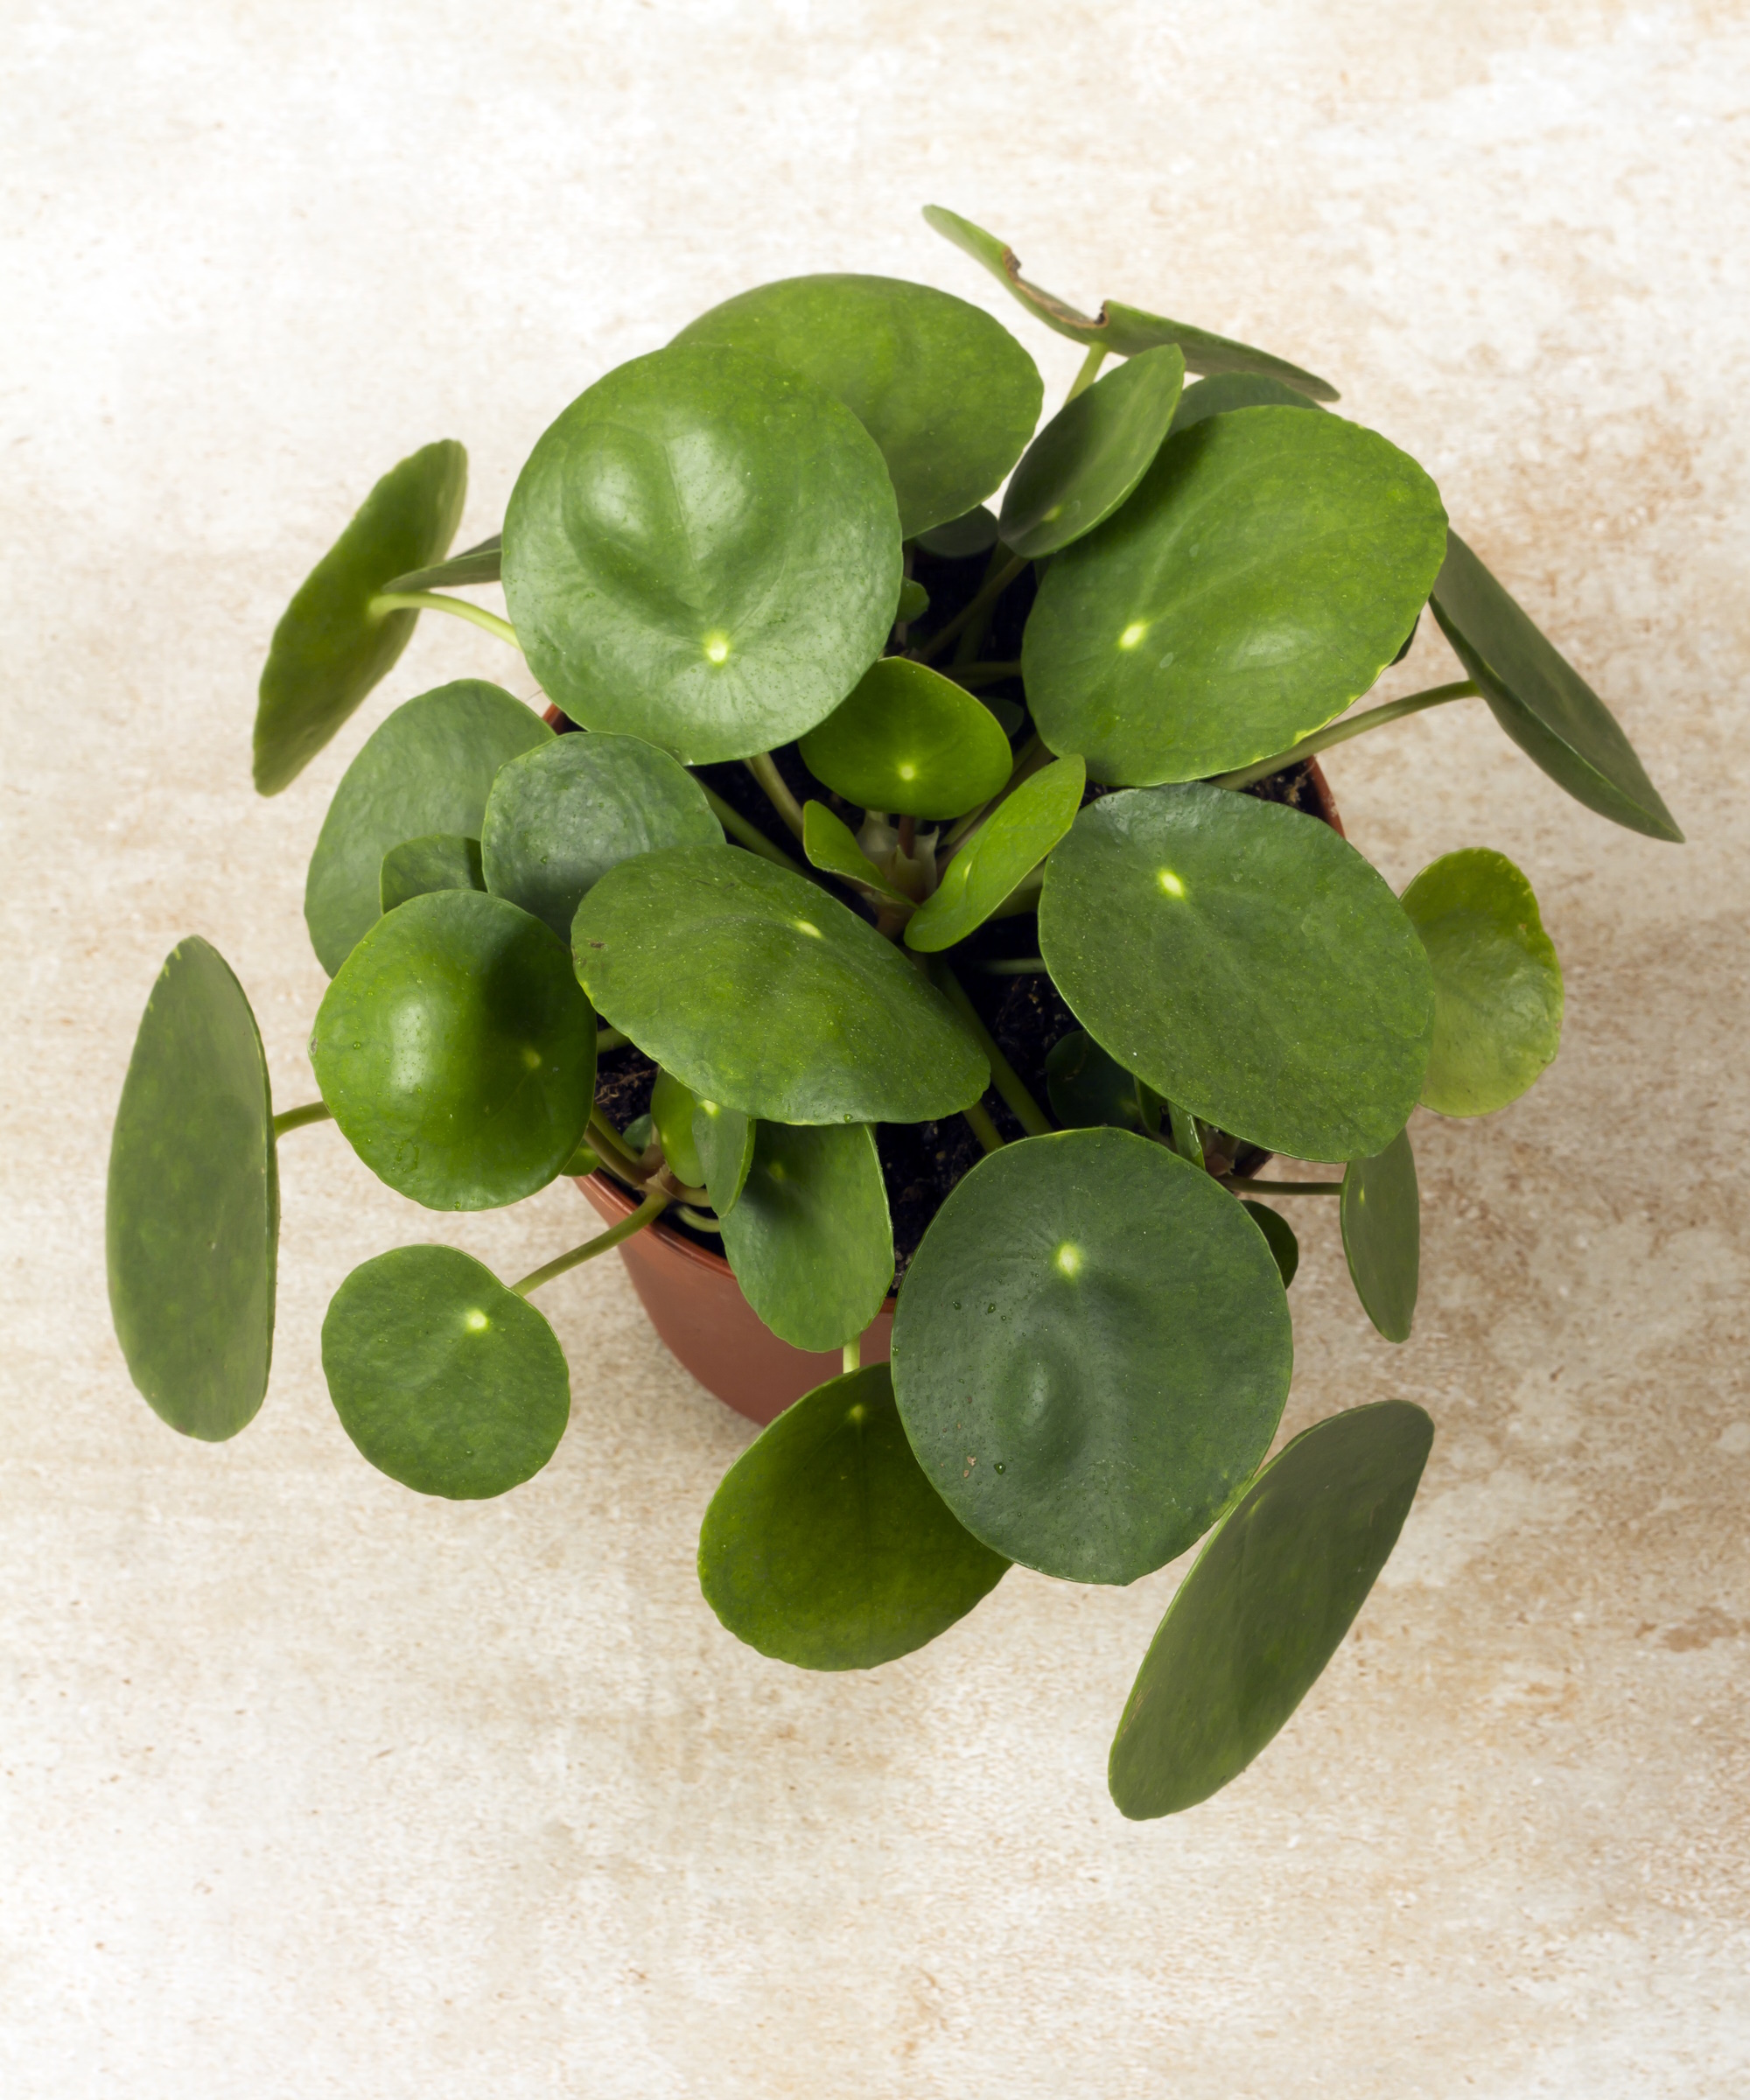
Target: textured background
x=313, y=1788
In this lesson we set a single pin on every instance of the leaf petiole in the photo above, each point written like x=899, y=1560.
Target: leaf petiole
x=764, y=768
x=295, y=1119
x=1340, y=732
x=1004, y=1077
x=646, y=1214
x=977, y=1120
x=439, y=601
x=990, y=592
x=748, y=835
x=1087, y=373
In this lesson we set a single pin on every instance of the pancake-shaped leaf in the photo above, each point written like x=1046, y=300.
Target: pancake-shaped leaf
x=1086, y=1088
x=442, y=860
x=810, y=1241
x=1278, y=1236
x=672, y=1109
x=760, y=992
x=561, y=816
x=1234, y=390
x=724, y=1140
x=1124, y=331
x=1244, y=960
x=1091, y=1352
x=1497, y=981
x=961, y=538
x=703, y=552
x=831, y=846
x=947, y=393
x=1092, y=453
x=427, y=768
x=444, y=1380
x=456, y=1053
x=330, y=648
x=1260, y=579
x=1004, y=850
x=193, y=1215
x=1266, y=1606
x=474, y=566
x=910, y=741
x=1382, y=1212
x=825, y=1546
x=1540, y=700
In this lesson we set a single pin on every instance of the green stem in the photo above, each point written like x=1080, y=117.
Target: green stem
x=1032, y=758
x=985, y=674
x=1340, y=732
x=977, y=1120
x=646, y=1214
x=1089, y=373
x=1004, y=1077
x=764, y=768
x=991, y=590
x=751, y=835
x=613, y=1149
x=438, y=601
x=1282, y=1189
x=1011, y=966
x=609, y=1039
x=698, y=1220
x=295, y=1119
x=853, y=1354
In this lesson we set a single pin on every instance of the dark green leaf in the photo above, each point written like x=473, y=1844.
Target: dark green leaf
x=760, y=991
x=1247, y=962
x=441, y=860
x=1088, y=1087
x=831, y=845
x=809, y=1241
x=1497, y=981
x=1182, y=1129
x=193, y=1215
x=561, y=816
x=1266, y=1606
x=1540, y=700
x=474, y=566
x=962, y=537
x=1258, y=581
x=444, y=1380
x=947, y=393
x=825, y=1546
x=1124, y=331
x=1091, y=1352
x=427, y=768
x=910, y=741
x=1278, y=1236
x=913, y=603
x=456, y=1053
x=1091, y=454
x=330, y=648
x=1234, y=390
x=703, y=552
x=1382, y=1211
x=723, y=1139
x=672, y=1109
x=1004, y=850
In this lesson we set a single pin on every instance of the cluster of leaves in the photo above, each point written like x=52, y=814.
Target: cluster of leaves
x=708, y=558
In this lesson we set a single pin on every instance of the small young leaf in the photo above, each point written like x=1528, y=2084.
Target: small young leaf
x=474, y=566
x=456, y=1053
x=1234, y=390
x=824, y=1545
x=330, y=648
x=1497, y=981
x=1266, y=1606
x=192, y=1213
x=1092, y=453
x=1005, y=850
x=723, y=1139
x=913, y=603
x=910, y=741
x=1278, y=1236
x=831, y=846
x=1382, y=1213
x=444, y=1380
x=1086, y=1088
x=561, y=816
x=962, y=537
x=1091, y=1352
x=672, y=1107
x=441, y=860
x=810, y=1241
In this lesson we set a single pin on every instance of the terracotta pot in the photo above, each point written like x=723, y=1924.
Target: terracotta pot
x=695, y=1305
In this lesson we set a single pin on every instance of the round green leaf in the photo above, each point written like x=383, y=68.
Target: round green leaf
x=913, y=603
x=703, y=552
x=760, y=991
x=1278, y=1236
x=1004, y=850
x=1247, y=962
x=1382, y=1212
x=672, y=1109
x=825, y=1546
x=456, y=1053
x=193, y=1215
x=831, y=845
x=442, y=860
x=961, y=538
x=444, y=1380
x=1088, y=1087
x=1091, y=1351
x=947, y=393
x=1261, y=576
x=910, y=741
x=1266, y=1606
x=474, y=566
x=1497, y=981
x=1091, y=454
x=427, y=768
x=724, y=1140
x=1540, y=700
x=809, y=1240
x=561, y=816
x=330, y=648
x=1234, y=390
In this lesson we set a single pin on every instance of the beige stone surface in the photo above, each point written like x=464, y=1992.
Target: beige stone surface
x=309, y=1787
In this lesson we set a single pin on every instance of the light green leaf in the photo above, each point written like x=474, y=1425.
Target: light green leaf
x=474, y=566
x=723, y=1139
x=672, y=1109
x=809, y=1240
x=441, y=860
x=912, y=742
x=831, y=846
x=961, y=538
x=913, y=603
x=1234, y=390
x=1278, y=1236
x=1382, y=1212
x=1091, y=455
x=1005, y=850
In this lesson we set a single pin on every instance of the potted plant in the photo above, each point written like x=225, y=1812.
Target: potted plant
x=892, y=888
